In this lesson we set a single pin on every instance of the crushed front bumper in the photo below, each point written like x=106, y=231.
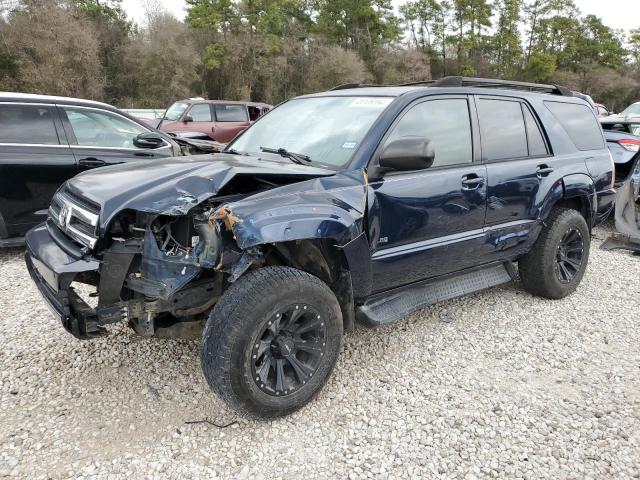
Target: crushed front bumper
x=53, y=269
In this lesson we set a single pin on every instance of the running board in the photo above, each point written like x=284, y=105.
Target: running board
x=384, y=310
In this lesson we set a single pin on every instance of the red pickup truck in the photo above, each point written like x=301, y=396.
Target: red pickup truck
x=220, y=120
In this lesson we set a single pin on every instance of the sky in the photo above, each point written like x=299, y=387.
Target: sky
x=623, y=14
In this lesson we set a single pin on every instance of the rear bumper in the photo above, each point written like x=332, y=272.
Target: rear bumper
x=52, y=269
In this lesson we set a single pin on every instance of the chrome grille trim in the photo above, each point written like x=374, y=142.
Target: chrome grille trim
x=75, y=221
x=79, y=211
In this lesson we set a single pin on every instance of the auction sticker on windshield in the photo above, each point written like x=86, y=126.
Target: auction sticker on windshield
x=371, y=102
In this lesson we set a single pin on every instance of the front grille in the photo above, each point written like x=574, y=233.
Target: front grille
x=75, y=216
x=81, y=201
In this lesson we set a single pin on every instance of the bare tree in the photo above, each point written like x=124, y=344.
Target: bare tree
x=54, y=52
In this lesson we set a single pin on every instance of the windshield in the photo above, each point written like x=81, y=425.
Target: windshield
x=175, y=111
x=326, y=129
x=632, y=110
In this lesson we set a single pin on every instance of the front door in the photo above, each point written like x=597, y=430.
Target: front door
x=429, y=222
x=100, y=137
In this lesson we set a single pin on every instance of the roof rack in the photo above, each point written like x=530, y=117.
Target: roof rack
x=493, y=83
x=346, y=86
x=473, y=82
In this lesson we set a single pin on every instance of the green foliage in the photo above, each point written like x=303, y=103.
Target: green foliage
x=215, y=15
x=269, y=50
x=634, y=45
x=213, y=56
x=540, y=67
x=361, y=25
x=506, y=41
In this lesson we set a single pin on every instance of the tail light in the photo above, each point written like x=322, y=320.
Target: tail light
x=630, y=145
x=613, y=170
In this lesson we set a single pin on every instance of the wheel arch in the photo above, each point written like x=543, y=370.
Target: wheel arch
x=577, y=192
x=320, y=234
x=346, y=269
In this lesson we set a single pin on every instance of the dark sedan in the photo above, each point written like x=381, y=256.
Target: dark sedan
x=46, y=140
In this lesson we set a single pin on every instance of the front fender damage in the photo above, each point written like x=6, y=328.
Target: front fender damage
x=323, y=209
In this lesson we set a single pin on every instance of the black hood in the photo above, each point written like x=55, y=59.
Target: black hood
x=173, y=186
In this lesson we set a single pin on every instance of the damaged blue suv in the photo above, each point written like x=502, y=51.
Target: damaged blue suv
x=360, y=204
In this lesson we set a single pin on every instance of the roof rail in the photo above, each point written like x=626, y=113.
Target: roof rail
x=493, y=83
x=346, y=86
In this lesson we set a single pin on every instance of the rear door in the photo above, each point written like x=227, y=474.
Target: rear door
x=231, y=119
x=519, y=170
x=100, y=137
x=35, y=160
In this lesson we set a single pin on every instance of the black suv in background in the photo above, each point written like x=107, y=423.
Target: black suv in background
x=46, y=140
x=353, y=204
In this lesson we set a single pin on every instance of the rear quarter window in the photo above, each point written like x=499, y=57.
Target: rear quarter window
x=580, y=124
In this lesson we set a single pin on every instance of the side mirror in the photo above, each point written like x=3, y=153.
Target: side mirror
x=148, y=140
x=408, y=153
x=188, y=119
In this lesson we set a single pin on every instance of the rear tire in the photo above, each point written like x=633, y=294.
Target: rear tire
x=272, y=341
x=555, y=265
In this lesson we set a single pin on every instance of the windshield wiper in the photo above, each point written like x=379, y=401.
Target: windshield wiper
x=233, y=151
x=298, y=158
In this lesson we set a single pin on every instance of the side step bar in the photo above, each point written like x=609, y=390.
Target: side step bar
x=388, y=308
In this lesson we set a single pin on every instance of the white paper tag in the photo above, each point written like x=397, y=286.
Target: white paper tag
x=371, y=102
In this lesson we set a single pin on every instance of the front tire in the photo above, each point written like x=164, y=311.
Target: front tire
x=272, y=341
x=555, y=265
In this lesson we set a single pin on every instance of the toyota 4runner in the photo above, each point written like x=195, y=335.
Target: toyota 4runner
x=363, y=203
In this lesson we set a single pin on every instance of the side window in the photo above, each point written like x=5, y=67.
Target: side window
x=231, y=113
x=254, y=113
x=502, y=129
x=96, y=128
x=200, y=112
x=537, y=146
x=27, y=124
x=445, y=123
x=579, y=123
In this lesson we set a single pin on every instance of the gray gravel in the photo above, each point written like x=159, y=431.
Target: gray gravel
x=494, y=385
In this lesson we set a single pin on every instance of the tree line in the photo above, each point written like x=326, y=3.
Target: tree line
x=270, y=50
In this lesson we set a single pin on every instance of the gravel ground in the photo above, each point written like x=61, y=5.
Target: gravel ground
x=495, y=385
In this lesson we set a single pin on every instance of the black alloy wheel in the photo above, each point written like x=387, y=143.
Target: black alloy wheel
x=569, y=255
x=289, y=350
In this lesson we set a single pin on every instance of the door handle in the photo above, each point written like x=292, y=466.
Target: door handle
x=472, y=181
x=91, y=162
x=543, y=170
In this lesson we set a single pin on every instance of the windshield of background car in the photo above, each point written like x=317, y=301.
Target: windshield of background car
x=632, y=110
x=175, y=111
x=326, y=129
